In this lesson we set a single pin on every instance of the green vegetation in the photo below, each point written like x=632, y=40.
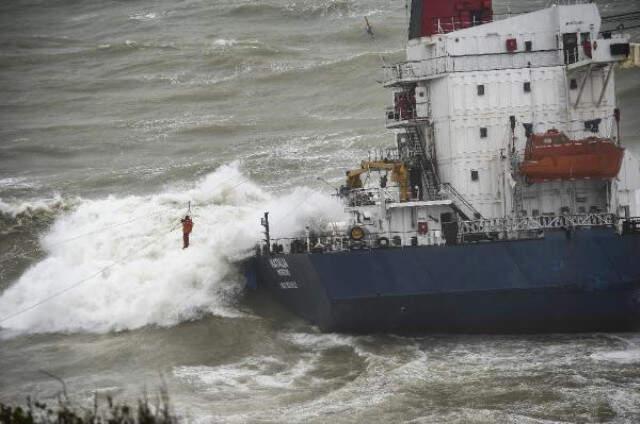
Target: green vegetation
x=111, y=413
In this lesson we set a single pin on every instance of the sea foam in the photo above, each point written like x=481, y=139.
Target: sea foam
x=117, y=263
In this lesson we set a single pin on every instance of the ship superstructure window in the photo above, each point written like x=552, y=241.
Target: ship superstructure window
x=570, y=43
x=527, y=87
x=528, y=129
x=483, y=132
x=573, y=84
x=592, y=125
x=475, y=176
x=481, y=90
x=535, y=212
x=585, y=42
x=528, y=46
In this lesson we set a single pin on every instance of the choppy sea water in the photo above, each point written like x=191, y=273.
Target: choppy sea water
x=114, y=115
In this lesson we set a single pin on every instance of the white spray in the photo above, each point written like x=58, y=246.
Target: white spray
x=150, y=279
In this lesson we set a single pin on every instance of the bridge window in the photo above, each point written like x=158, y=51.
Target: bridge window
x=535, y=212
x=592, y=125
x=570, y=43
x=483, y=132
x=481, y=90
x=475, y=176
x=528, y=129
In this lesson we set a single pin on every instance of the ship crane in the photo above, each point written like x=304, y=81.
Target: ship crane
x=399, y=175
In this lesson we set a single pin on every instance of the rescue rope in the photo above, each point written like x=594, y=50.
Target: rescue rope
x=92, y=276
x=76, y=284
x=78, y=236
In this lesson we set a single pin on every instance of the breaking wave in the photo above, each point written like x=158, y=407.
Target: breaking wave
x=128, y=253
x=24, y=215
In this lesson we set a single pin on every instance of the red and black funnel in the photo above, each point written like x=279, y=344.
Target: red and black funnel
x=429, y=17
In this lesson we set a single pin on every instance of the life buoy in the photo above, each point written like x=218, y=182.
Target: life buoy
x=382, y=242
x=423, y=227
x=356, y=233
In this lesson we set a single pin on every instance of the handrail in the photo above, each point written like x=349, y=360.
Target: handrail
x=510, y=225
x=341, y=241
x=412, y=71
x=458, y=196
x=487, y=229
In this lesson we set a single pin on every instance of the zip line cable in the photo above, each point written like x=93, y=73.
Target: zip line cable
x=53, y=296
x=74, y=285
x=102, y=229
x=92, y=276
x=117, y=262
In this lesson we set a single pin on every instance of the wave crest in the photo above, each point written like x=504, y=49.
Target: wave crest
x=129, y=252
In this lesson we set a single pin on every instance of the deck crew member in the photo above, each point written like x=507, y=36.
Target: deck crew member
x=187, y=227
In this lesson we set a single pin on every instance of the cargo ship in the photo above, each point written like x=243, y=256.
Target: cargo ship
x=507, y=203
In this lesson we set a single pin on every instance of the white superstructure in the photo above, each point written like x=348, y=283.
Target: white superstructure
x=550, y=69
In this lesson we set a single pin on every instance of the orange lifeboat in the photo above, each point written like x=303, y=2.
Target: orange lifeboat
x=554, y=156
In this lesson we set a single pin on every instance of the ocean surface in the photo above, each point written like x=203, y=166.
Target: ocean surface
x=115, y=114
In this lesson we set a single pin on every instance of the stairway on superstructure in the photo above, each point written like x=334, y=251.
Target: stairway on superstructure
x=424, y=163
x=416, y=154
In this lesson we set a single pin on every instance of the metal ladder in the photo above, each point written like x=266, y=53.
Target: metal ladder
x=459, y=200
x=424, y=162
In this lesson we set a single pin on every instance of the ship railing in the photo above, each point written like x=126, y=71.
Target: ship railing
x=372, y=196
x=413, y=71
x=342, y=242
x=631, y=225
x=513, y=226
x=445, y=25
x=396, y=118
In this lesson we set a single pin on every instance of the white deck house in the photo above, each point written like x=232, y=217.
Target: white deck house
x=550, y=69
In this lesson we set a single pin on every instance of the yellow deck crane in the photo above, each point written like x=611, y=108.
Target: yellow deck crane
x=399, y=175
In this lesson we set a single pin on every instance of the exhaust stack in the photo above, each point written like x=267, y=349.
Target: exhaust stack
x=429, y=17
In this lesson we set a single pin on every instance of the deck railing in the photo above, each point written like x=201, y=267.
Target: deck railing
x=413, y=71
x=341, y=241
x=462, y=232
x=515, y=225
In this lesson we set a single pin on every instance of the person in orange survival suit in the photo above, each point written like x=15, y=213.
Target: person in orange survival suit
x=187, y=227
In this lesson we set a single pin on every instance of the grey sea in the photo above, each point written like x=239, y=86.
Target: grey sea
x=114, y=115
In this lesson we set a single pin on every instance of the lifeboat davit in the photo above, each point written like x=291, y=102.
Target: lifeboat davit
x=554, y=156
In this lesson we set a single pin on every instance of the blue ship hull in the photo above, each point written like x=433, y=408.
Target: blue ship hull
x=587, y=282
